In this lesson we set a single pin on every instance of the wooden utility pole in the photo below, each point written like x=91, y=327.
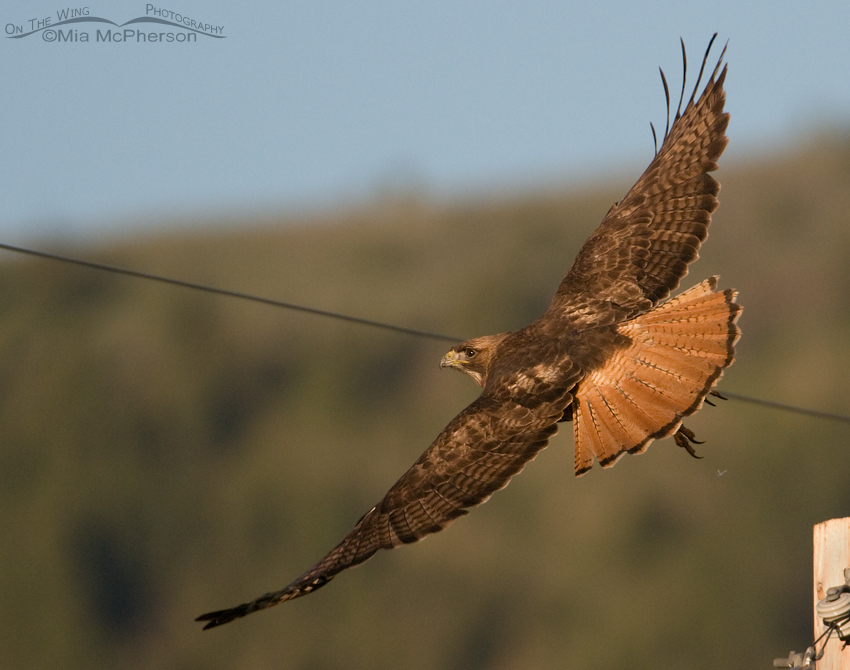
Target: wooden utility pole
x=831, y=557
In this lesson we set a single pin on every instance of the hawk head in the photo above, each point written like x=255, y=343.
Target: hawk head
x=473, y=356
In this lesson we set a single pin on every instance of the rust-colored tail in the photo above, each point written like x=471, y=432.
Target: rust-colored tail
x=678, y=352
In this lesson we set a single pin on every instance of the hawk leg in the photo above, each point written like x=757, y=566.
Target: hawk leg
x=685, y=437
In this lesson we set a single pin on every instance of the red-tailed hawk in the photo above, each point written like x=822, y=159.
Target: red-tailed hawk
x=608, y=354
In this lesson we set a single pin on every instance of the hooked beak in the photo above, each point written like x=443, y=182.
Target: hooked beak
x=450, y=360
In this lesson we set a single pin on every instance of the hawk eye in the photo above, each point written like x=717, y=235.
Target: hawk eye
x=470, y=353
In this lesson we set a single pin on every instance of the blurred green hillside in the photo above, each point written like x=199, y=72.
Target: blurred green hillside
x=166, y=452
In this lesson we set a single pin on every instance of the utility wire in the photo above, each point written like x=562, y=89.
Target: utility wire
x=352, y=319
x=232, y=294
x=788, y=408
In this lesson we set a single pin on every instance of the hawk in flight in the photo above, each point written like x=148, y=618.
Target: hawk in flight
x=609, y=354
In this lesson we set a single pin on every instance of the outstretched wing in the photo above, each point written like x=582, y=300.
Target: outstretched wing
x=642, y=248
x=477, y=454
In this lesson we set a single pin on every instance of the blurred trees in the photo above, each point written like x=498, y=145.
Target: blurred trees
x=167, y=452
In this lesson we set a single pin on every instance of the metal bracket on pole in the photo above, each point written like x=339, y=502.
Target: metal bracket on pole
x=797, y=661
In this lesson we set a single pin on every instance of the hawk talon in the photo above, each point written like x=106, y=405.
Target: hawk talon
x=716, y=394
x=684, y=437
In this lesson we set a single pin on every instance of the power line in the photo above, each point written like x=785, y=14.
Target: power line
x=352, y=319
x=232, y=294
x=788, y=408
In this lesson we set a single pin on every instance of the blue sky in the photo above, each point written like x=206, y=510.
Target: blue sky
x=312, y=104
